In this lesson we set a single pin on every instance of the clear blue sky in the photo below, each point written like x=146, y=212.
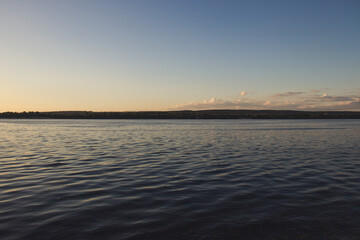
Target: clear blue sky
x=160, y=55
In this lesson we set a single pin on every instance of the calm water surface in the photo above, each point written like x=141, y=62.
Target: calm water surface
x=180, y=179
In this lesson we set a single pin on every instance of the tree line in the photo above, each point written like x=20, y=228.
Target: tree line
x=201, y=114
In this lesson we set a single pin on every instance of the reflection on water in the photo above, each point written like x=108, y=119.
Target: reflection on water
x=180, y=179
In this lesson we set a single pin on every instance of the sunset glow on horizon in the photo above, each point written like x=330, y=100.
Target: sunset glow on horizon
x=176, y=55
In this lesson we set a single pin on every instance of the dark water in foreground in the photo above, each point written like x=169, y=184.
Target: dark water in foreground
x=180, y=179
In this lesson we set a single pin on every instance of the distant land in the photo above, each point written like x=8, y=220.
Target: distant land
x=200, y=114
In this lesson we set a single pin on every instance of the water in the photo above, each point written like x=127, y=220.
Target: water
x=180, y=179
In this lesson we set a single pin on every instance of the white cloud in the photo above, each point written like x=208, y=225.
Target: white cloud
x=302, y=101
x=243, y=93
x=211, y=101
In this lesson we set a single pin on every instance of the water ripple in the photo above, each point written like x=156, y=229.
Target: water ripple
x=180, y=179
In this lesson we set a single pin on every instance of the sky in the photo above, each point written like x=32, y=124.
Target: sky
x=141, y=55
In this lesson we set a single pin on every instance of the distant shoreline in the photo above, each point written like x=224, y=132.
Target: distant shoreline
x=186, y=114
